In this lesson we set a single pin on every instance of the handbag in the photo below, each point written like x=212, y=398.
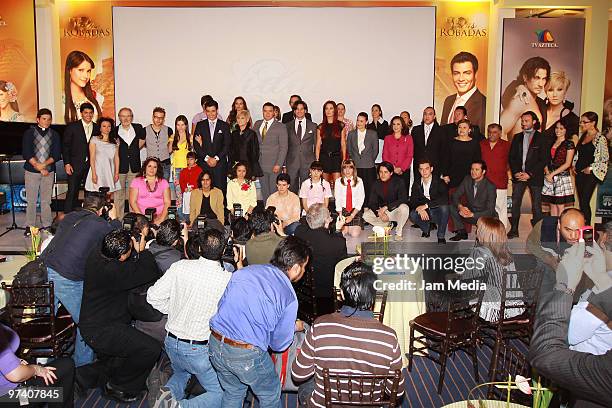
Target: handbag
x=283, y=361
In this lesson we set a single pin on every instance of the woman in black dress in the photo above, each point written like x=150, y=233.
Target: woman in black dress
x=463, y=150
x=245, y=145
x=330, y=147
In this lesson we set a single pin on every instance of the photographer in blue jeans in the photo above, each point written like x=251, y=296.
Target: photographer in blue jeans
x=257, y=311
x=189, y=292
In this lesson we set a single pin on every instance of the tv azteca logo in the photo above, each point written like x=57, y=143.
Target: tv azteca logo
x=545, y=40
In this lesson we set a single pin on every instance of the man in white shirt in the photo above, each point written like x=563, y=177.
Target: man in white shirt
x=464, y=67
x=189, y=292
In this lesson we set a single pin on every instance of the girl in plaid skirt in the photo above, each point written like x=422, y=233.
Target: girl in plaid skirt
x=558, y=189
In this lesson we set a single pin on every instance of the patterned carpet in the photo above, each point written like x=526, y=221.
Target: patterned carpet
x=420, y=384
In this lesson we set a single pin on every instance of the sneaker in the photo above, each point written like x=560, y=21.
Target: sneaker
x=165, y=399
x=459, y=235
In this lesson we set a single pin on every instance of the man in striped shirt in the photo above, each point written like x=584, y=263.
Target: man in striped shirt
x=349, y=342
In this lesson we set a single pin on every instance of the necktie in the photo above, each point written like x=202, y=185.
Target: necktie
x=211, y=126
x=475, y=189
x=427, y=130
x=349, y=196
x=264, y=131
x=299, y=132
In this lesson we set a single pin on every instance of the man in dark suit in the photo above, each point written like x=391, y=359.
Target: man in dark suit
x=464, y=67
x=272, y=136
x=302, y=134
x=289, y=116
x=587, y=377
x=430, y=141
x=480, y=195
x=327, y=250
x=451, y=128
x=75, y=152
x=212, y=141
x=129, y=135
x=529, y=154
x=429, y=202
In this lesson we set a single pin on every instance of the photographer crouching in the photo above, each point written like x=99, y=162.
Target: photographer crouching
x=126, y=354
x=65, y=257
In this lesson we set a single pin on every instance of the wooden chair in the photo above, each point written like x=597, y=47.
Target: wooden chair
x=31, y=313
x=507, y=361
x=361, y=390
x=446, y=332
x=381, y=298
x=520, y=292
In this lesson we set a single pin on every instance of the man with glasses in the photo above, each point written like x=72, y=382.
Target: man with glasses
x=131, y=138
x=156, y=140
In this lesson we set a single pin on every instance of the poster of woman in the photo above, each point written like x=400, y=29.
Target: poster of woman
x=77, y=86
x=541, y=72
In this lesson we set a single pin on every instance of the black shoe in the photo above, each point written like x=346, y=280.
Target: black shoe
x=393, y=224
x=433, y=226
x=27, y=232
x=120, y=396
x=441, y=241
x=414, y=226
x=512, y=234
x=459, y=235
x=425, y=235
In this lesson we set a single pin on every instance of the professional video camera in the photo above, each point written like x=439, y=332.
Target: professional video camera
x=172, y=213
x=238, y=211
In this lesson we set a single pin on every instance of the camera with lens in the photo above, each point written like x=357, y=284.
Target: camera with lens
x=238, y=211
x=130, y=224
x=271, y=210
x=172, y=213
x=108, y=205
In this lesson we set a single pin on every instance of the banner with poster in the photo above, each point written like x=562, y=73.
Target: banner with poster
x=86, y=54
x=541, y=72
x=18, y=80
x=462, y=42
x=603, y=206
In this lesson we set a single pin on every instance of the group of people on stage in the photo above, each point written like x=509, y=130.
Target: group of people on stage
x=377, y=171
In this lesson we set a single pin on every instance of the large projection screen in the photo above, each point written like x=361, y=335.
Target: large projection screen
x=170, y=57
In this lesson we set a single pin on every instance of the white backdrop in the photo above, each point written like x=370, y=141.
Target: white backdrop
x=170, y=57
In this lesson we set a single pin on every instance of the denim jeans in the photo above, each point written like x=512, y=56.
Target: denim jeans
x=178, y=194
x=438, y=215
x=167, y=170
x=188, y=359
x=290, y=229
x=70, y=294
x=238, y=369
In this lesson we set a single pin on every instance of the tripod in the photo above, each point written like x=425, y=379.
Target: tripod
x=14, y=225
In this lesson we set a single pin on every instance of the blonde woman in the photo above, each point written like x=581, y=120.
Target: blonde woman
x=557, y=107
x=349, y=196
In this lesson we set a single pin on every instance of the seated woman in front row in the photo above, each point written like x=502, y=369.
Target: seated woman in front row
x=207, y=200
x=315, y=190
x=241, y=190
x=387, y=201
x=150, y=190
x=16, y=373
x=350, y=194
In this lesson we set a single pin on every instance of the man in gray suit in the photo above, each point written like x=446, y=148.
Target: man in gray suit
x=362, y=146
x=272, y=136
x=302, y=134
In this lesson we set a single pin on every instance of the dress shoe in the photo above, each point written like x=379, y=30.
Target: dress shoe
x=433, y=227
x=392, y=224
x=120, y=396
x=512, y=234
x=425, y=235
x=459, y=235
x=27, y=232
x=414, y=226
x=441, y=241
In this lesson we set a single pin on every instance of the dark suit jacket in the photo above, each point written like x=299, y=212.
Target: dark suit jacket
x=538, y=157
x=129, y=156
x=75, y=149
x=484, y=203
x=437, y=144
x=367, y=158
x=476, y=107
x=327, y=251
x=245, y=147
x=220, y=144
x=396, y=194
x=381, y=129
x=288, y=117
x=585, y=375
x=300, y=152
x=438, y=193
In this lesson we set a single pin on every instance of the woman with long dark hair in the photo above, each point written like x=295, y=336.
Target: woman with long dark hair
x=239, y=105
x=150, y=190
x=378, y=124
x=330, y=148
x=592, y=163
x=179, y=144
x=103, y=159
x=558, y=190
x=77, y=86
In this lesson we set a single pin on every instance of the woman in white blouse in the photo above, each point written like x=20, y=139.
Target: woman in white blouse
x=349, y=194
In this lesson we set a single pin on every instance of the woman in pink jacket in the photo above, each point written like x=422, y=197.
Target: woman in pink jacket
x=399, y=150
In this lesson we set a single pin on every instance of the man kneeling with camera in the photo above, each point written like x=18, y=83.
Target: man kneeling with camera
x=128, y=354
